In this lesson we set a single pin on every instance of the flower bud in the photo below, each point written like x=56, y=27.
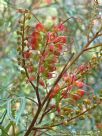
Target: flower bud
x=19, y=33
x=41, y=83
x=27, y=54
x=75, y=97
x=31, y=78
x=30, y=69
x=80, y=92
x=65, y=123
x=79, y=84
x=39, y=27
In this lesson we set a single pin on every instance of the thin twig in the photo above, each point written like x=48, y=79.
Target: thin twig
x=66, y=67
x=98, y=45
x=24, y=66
x=69, y=120
x=35, y=17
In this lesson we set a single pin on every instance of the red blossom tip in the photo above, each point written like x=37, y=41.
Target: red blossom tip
x=31, y=78
x=39, y=27
x=55, y=91
x=79, y=84
x=27, y=54
x=30, y=69
x=81, y=92
x=41, y=83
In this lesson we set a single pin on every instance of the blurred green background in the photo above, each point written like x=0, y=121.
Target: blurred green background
x=11, y=83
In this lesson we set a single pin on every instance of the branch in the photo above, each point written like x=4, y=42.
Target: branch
x=97, y=45
x=57, y=80
x=69, y=19
x=33, y=121
x=32, y=100
x=46, y=99
x=66, y=67
x=24, y=66
x=68, y=120
x=94, y=37
x=35, y=17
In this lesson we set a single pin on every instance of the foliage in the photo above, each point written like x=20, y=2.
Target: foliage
x=50, y=64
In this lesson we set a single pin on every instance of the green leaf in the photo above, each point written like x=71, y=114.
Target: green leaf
x=19, y=112
x=4, y=133
x=8, y=126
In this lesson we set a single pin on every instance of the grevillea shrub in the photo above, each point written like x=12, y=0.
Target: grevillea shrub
x=52, y=91
x=60, y=91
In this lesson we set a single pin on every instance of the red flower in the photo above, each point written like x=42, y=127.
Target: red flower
x=72, y=78
x=81, y=92
x=65, y=77
x=60, y=27
x=55, y=91
x=75, y=97
x=51, y=48
x=39, y=27
x=60, y=39
x=51, y=36
x=34, y=40
x=31, y=78
x=51, y=95
x=30, y=69
x=45, y=55
x=65, y=94
x=49, y=75
x=41, y=83
x=82, y=68
x=78, y=95
x=69, y=88
x=27, y=54
x=79, y=84
x=41, y=69
x=59, y=46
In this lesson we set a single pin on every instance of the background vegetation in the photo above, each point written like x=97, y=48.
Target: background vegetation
x=16, y=94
